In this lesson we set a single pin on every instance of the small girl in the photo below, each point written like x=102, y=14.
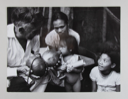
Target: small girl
x=69, y=49
x=104, y=77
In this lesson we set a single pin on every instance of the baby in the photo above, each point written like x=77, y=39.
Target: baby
x=52, y=61
x=51, y=58
x=37, y=69
x=57, y=67
x=37, y=65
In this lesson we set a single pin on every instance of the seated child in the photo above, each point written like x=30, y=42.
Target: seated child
x=104, y=77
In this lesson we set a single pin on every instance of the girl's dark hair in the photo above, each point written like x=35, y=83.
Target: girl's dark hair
x=71, y=43
x=60, y=15
x=115, y=58
x=107, y=47
x=28, y=15
x=112, y=50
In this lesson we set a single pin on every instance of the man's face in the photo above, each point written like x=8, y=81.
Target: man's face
x=60, y=27
x=24, y=30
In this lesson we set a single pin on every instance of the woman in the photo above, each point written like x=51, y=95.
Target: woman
x=60, y=24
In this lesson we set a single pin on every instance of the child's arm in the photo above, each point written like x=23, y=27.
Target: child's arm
x=93, y=77
x=62, y=67
x=118, y=88
x=94, y=86
x=87, y=60
x=71, y=68
x=76, y=67
x=77, y=70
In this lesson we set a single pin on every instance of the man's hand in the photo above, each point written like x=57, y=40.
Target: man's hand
x=24, y=70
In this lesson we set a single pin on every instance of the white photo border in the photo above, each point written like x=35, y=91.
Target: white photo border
x=65, y=3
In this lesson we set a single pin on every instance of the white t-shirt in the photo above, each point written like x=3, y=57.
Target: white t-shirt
x=16, y=55
x=105, y=83
x=53, y=39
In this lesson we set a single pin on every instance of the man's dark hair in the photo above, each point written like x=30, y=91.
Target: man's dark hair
x=60, y=15
x=27, y=14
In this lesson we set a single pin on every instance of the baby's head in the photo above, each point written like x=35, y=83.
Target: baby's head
x=37, y=65
x=51, y=57
x=68, y=45
x=107, y=61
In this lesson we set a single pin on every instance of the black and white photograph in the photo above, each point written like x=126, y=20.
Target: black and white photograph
x=63, y=49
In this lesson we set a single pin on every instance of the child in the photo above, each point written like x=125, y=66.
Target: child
x=52, y=61
x=103, y=76
x=69, y=49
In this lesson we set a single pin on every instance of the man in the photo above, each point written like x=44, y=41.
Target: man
x=23, y=39
x=60, y=24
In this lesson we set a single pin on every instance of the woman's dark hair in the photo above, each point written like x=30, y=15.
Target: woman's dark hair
x=60, y=15
x=71, y=43
x=27, y=14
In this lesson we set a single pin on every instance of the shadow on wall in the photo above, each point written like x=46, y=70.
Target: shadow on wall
x=88, y=22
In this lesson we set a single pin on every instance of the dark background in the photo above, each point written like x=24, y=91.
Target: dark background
x=88, y=22
x=95, y=25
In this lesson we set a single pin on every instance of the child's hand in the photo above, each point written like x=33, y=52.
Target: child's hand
x=62, y=77
x=62, y=67
x=69, y=68
x=58, y=73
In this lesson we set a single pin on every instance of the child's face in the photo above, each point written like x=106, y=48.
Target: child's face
x=104, y=62
x=51, y=58
x=63, y=48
